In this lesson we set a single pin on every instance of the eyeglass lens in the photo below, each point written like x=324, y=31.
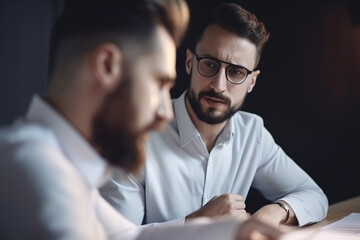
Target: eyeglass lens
x=209, y=67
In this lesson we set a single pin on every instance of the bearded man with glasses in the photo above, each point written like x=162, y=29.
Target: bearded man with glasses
x=212, y=153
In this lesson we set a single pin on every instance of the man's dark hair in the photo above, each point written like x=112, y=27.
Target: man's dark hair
x=233, y=18
x=85, y=24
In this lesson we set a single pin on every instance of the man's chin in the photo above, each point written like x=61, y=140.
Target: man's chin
x=212, y=117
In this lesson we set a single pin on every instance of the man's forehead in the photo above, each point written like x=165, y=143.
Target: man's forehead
x=226, y=46
x=164, y=52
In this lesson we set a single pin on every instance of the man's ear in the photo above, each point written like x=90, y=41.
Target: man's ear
x=188, y=61
x=252, y=83
x=106, y=65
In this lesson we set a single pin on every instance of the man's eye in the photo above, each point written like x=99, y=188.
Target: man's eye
x=235, y=71
x=165, y=82
x=210, y=63
x=161, y=83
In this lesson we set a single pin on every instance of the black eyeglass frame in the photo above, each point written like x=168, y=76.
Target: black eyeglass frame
x=226, y=69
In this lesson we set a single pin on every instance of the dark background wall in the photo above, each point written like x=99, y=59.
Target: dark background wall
x=24, y=35
x=308, y=91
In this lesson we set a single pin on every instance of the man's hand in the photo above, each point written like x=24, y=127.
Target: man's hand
x=254, y=229
x=275, y=215
x=222, y=205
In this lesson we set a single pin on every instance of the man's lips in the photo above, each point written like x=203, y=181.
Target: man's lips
x=213, y=101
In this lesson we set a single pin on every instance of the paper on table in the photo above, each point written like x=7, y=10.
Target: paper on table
x=349, y=225
x=347, y=228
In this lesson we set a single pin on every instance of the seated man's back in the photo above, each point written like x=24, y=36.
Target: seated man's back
x=41, y=186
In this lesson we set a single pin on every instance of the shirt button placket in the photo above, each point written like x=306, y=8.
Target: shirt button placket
x=208, y=181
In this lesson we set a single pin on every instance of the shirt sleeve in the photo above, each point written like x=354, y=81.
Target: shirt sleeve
x=279, y=177
x=116, y=226
x=200, y=229
x=35, y=204
x=126, y=194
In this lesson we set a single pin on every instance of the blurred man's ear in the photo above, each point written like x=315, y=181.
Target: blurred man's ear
x=106, y=65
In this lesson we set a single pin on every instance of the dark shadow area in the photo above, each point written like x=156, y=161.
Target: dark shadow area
x=24, y=41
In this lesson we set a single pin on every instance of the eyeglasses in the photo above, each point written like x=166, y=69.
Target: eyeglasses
x=209, y=67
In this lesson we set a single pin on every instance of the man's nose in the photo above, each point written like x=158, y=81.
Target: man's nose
x=165, y=110
x=219, y=82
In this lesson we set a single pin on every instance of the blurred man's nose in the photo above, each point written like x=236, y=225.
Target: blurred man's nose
x=165, y=110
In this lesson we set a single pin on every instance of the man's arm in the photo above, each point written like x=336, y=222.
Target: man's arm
x=279, y=178
x=210, y=229
x=117, y=227
x=126, y=194
x=277, y=213
x=222, y=205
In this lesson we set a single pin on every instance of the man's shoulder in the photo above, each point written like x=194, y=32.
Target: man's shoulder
x=22, y=132
x=33, y=150
x=34, y=165
x=24, y=140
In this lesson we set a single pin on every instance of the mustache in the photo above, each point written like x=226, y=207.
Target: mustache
x=212, y=93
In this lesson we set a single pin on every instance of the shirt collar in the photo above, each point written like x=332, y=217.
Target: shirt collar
x=228, y=132
x=80, y=153
x=187, y=129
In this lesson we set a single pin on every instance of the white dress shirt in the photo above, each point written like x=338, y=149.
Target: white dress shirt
x=181, y=175
x=49, y=179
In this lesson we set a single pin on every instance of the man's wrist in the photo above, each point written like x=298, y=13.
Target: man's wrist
x=286, y=209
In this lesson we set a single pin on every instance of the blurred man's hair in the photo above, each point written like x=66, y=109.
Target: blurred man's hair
x=84, y=25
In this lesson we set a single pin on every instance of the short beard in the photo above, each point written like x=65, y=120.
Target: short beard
x=209, y=117
x=118, y=147
x=114, y=136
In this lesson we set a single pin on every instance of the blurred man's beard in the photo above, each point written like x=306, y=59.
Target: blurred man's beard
x=118, y=146
x=114, y=134
x=209, y=115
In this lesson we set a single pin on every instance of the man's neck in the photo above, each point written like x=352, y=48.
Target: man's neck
x=72, y=114
x=208, y=132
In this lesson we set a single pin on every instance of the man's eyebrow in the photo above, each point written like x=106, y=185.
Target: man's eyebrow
x=216, y=59
x=168, y=79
